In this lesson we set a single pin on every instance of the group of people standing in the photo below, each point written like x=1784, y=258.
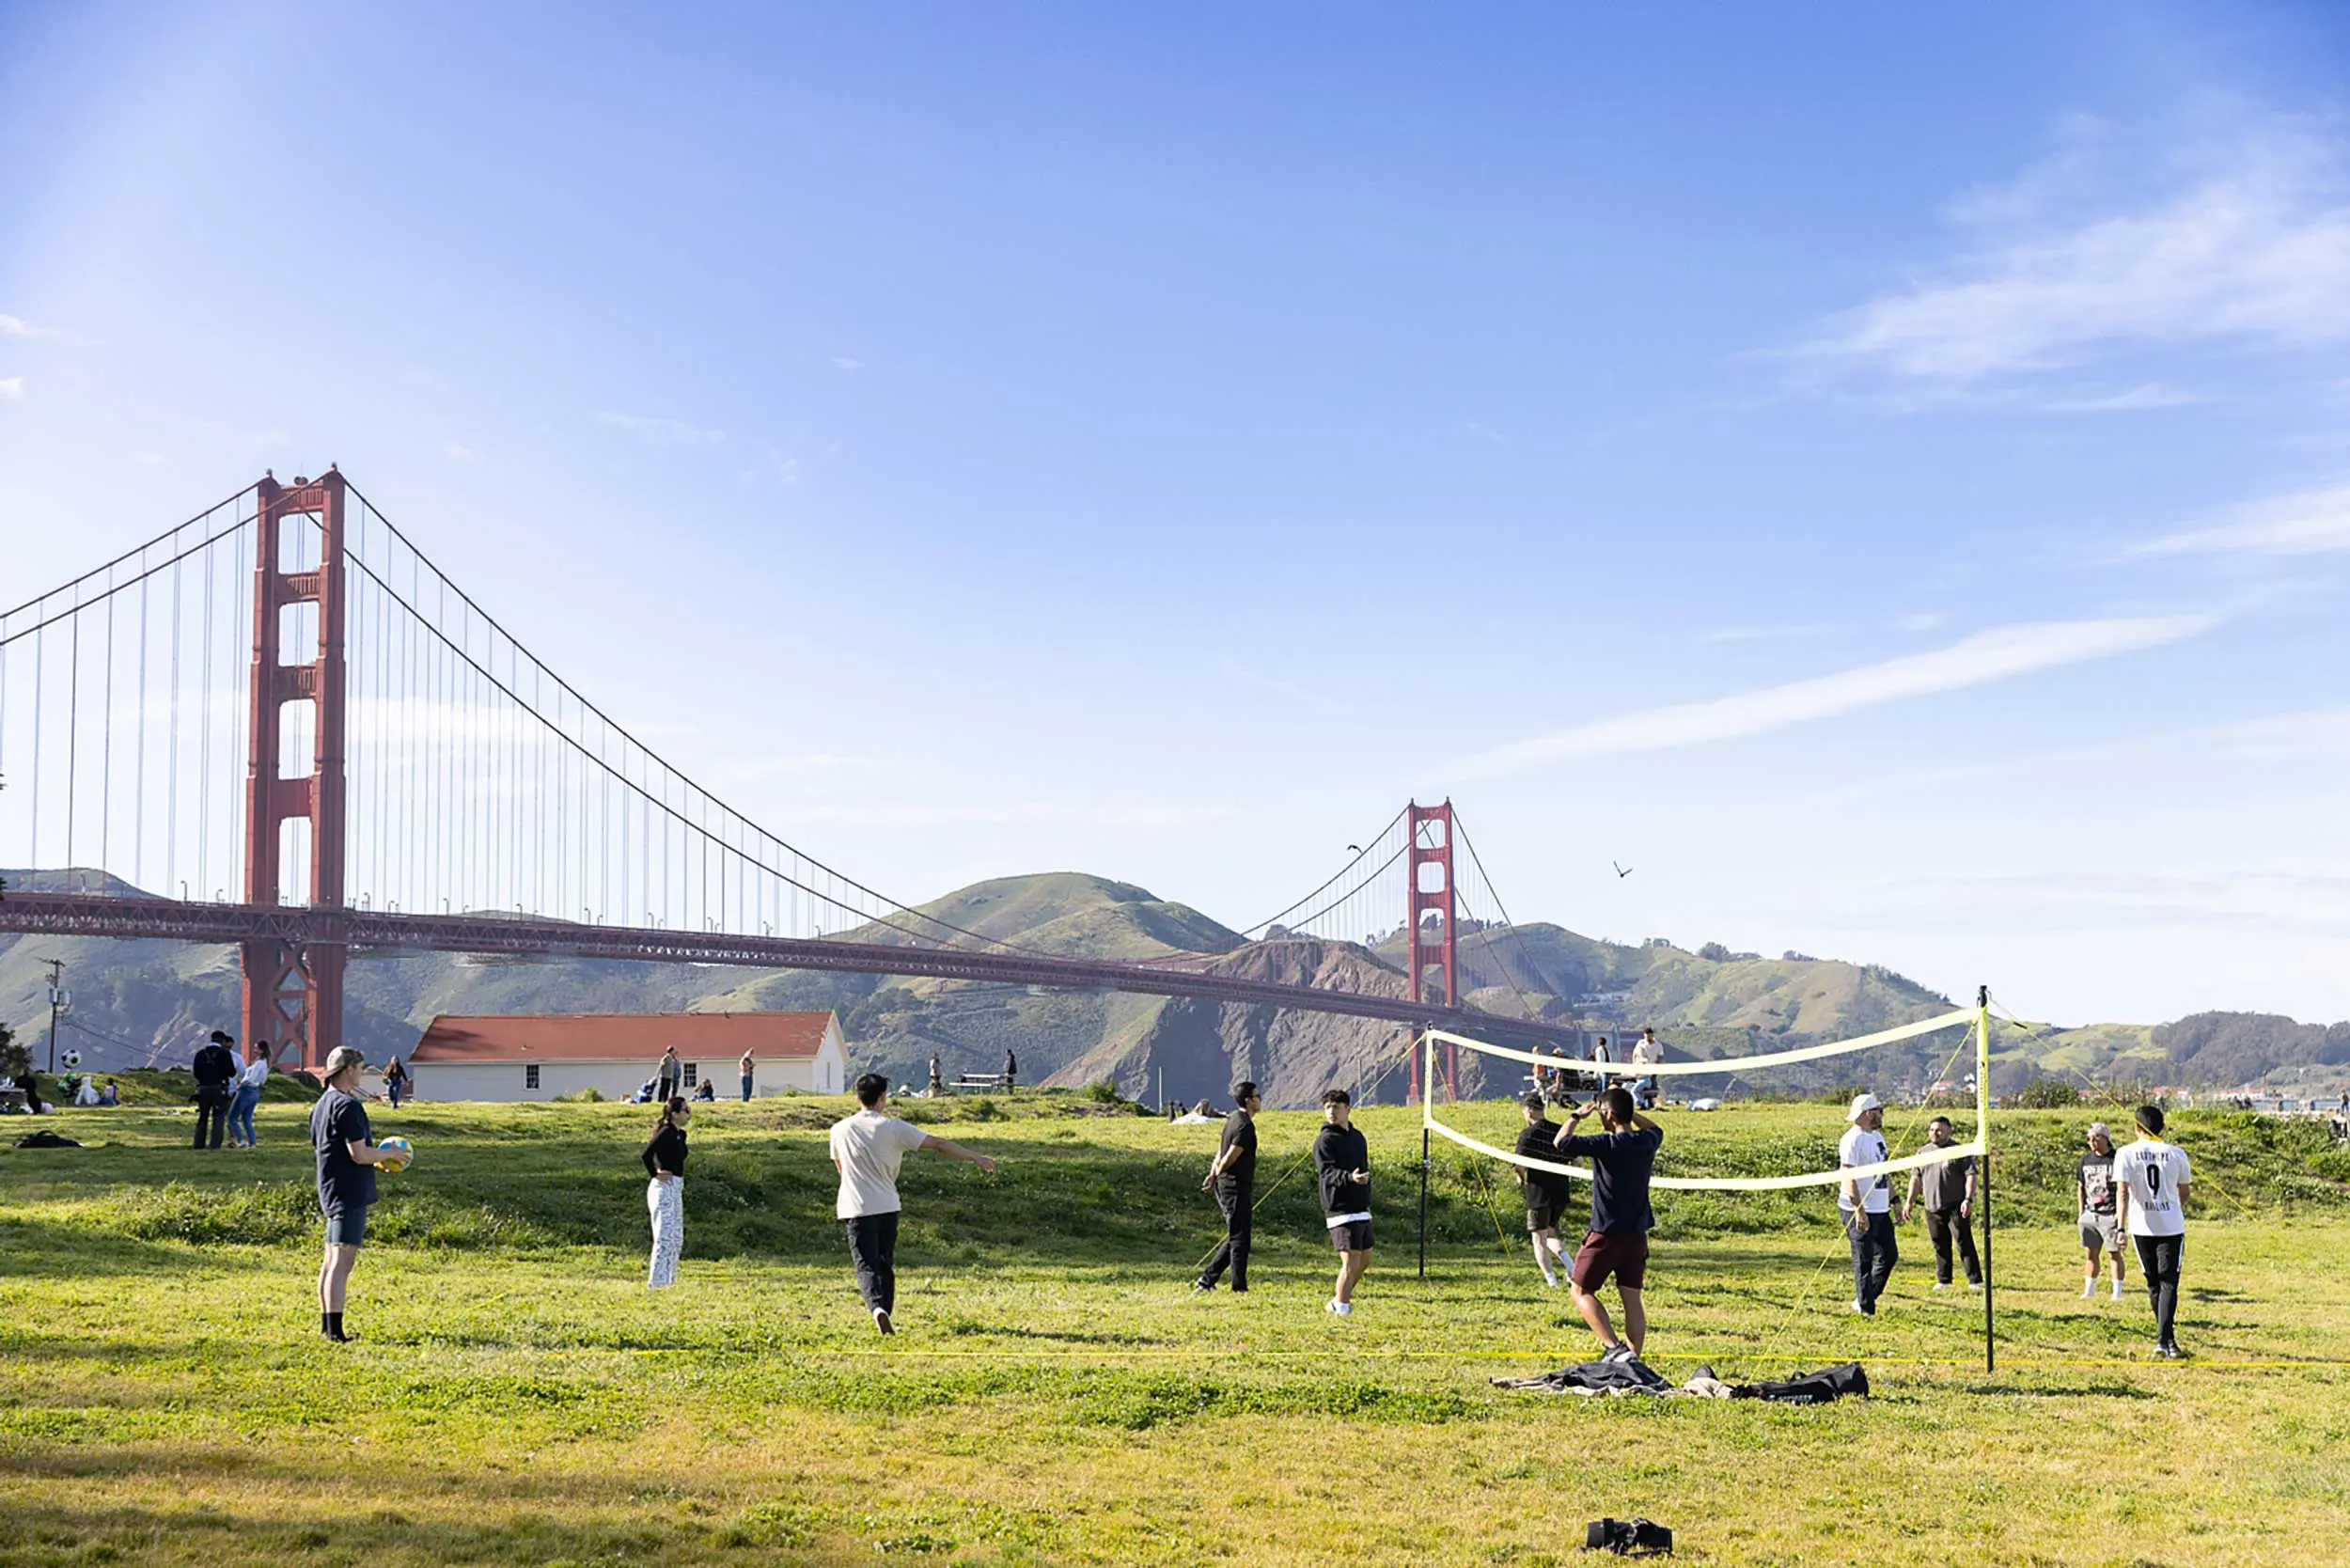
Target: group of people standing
x=1341, y=1160
x=227, y=1090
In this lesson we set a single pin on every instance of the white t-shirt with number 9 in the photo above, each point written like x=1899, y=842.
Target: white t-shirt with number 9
x=2152, y=1172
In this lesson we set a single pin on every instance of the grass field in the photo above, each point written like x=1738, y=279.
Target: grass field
x=1056, y=1394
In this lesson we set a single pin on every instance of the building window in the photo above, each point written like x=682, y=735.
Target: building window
x=689, y=1073
x=530, y=1076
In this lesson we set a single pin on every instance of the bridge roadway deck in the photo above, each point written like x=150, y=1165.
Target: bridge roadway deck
x=94, y=915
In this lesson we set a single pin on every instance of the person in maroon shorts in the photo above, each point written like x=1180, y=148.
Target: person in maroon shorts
x=1622, y=1158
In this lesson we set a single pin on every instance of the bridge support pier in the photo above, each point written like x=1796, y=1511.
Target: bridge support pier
x=293, y=990
x=1434, y=950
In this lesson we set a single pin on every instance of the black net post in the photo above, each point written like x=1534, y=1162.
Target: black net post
x=1423, y=1203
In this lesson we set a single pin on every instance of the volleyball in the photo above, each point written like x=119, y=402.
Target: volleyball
x=397, y=1154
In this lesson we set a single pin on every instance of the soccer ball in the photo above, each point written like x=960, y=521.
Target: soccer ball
x=71, y=1060
x=398, y=1154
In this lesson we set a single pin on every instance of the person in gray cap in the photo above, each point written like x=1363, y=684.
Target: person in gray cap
x=2101, y=1222
x=1866, y=1204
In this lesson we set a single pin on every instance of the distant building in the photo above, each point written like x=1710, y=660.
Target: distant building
x=537, y=1056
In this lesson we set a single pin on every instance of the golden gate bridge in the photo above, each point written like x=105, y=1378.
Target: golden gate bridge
x=278, y=724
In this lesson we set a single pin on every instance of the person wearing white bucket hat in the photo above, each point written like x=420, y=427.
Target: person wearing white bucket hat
x=1865, y=1204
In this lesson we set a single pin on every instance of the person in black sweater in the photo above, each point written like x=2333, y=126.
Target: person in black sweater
x=1546, y=1192
x=665, y=1195
x=1343, y=1161
x=1233, y=1180
x=215, y=1068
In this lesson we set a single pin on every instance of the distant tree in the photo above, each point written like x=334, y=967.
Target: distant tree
x=15, y=1060
x=1713, y=952
x=2047, y=1094
x=1791, y=956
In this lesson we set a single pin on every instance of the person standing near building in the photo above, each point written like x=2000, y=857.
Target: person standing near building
x=748, y=1067
x=1343, y=1161
x=668, y=1077
x=1623, y=1161
x=867, y=1150
x=248, y=1085
x=2101, y=1219
x=1865, y=1203
x=1546, y=1191
x=214, y=1069
x=1233, y=1177
x=347, y=1158
x=664, y=1191
x=394, y=1081
x=1950, y=1194
x=2154, y=1179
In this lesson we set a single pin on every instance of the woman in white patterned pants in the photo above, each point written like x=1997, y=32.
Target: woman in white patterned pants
x=665, y=1195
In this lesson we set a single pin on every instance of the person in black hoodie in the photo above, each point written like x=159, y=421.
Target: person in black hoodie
x=1343, y=1161
x=215, y=1068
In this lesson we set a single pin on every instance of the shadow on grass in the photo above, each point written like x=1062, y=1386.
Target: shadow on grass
x=2107, y=1390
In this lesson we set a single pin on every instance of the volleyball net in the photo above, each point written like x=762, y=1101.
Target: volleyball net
x=1977, y=1019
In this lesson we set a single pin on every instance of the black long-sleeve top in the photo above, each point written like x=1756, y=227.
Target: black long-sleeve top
x=666, y=1151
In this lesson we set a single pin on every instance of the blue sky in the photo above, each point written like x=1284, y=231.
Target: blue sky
x=1882, y=473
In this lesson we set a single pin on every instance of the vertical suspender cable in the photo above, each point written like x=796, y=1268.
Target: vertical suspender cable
x=1982, y=1136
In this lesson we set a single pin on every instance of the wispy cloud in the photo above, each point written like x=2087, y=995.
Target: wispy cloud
x=17, y=326
x=2000, y=654
x=1768, y=634
x=2313, y=523
x=662, y=433
x=2252, y=247
x=12, y=388
x=842, y=362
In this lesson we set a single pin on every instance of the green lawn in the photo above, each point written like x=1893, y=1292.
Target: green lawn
x=1058, y=1395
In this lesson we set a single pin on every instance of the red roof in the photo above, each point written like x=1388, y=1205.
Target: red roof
x=619, y=1036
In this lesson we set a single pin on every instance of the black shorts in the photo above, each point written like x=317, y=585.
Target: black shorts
x=1352, y=1236
x=1543, y=1216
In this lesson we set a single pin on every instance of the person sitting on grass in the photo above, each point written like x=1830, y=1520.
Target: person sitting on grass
x=1623, y=1159
x=1546, y=1193
x=111, y=1094
x=347, y=1156
x=707, y=1090
x=867, y=1150
x=1343, y=1161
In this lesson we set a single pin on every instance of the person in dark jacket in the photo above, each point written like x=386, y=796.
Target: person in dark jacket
x=665, y=1195
x=215, y=1070
x=1011, y=1072
x=1233, y=1177
x=1343, y=1161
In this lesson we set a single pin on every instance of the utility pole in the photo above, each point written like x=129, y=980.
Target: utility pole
x=57, y=1003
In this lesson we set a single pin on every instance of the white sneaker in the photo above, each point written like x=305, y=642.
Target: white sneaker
x=1551, y=1279
x=1617, y=1353
x=2089, y=1288
x=1940, y=1286
x=1344, y=1309
x=1858, y=1308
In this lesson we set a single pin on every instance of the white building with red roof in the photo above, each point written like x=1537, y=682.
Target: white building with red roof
x=516, y=1057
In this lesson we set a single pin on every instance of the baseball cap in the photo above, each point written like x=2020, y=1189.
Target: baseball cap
x=342, y=1057
x=1861, y=1104
x=2098, y=1129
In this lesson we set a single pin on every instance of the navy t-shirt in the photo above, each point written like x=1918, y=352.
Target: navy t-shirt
x=338, y=1122
x=1621, y=1164
x=1547, y=1188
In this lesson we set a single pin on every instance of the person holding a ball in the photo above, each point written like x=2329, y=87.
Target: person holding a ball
x=348, y=1156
